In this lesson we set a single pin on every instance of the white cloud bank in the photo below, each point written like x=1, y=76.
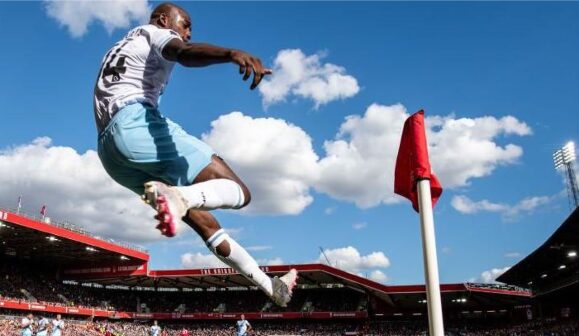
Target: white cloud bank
x=277, y=161
x=349, y=259
x=465, y=205
x=295, y=74
x=346, y=258
x=273, y=157
x=199, y=260
x=490, y=276
x=279, y=164
x=78, y=15
x=75, y=188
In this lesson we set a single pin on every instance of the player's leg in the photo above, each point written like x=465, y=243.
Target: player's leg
x=235, y=256
x=162, y=149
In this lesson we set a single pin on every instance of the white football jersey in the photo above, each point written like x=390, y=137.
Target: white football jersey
x=242, y=326
x=57, y=326
x=133, y=71
x=155, y=330
x=26, y=323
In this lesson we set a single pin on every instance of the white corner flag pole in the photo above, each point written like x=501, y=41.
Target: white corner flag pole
x=435, y=322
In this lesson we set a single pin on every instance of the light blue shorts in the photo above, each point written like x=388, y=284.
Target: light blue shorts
x=140, y=145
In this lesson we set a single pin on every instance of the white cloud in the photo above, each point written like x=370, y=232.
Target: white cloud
x=378, y=276
x=446, y=250
x=465, y=205
x=75, y=188
x=274, y=158
x=349, y=259
x=270, y=262
x=199, y=260
x=258, y=248
x=490, y=276
x=359, y=163
x=330, y=210
x=296, y=74
x=464, y=148
x=359, y=226
x=78, y=15
x=513, y=255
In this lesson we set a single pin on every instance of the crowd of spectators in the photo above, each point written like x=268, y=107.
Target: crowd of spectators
x=9, y=326
x=497, y=286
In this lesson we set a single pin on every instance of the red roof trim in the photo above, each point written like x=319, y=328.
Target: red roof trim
x=67, y=234
x=309, y=268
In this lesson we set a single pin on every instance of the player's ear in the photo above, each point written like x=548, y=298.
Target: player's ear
x=164, y=19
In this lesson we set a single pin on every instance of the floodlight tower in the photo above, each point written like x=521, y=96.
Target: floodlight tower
x=564, y=159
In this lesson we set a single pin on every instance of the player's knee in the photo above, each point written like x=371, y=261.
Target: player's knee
x=202, y=222
x=223, y=249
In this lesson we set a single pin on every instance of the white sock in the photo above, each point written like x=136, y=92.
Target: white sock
x=240, y=260
x=213, y=194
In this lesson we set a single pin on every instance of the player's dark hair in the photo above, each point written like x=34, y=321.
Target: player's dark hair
x=165, y=8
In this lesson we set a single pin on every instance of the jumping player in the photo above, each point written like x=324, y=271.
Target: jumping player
x=177, y=174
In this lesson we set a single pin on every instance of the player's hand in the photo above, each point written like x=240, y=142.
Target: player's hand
x=248, y=65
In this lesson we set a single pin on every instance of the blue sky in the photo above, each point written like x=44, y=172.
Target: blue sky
x=316, y=144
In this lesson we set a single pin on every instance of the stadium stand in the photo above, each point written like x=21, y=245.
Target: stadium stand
x=103, y=286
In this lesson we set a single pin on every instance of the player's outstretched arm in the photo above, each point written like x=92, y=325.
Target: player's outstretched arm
x=201, y=54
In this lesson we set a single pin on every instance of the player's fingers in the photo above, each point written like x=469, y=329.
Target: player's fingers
x=248, y=71
x=267, y=72
x=241, y=69
x=258, y=78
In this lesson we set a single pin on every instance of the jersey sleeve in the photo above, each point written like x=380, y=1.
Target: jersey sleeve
x=160, y=38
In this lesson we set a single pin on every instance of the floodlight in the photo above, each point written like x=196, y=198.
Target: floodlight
x=572, y=254
x=564, y=155
x=564, y=159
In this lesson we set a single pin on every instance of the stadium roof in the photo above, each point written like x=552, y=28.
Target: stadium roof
x=553, y=265
x=312, y=276
x=61, y=244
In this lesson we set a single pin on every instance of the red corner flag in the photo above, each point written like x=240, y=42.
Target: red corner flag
x=412, y=163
